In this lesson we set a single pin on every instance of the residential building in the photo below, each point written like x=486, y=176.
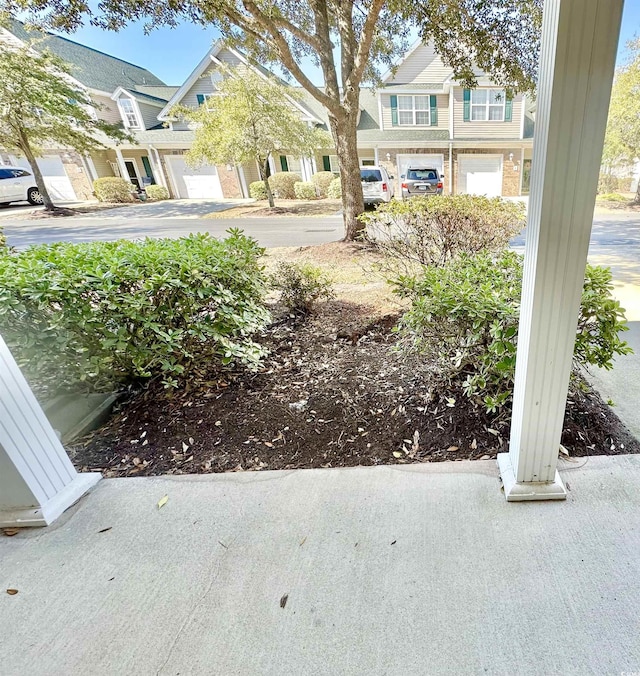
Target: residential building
x=480, y=139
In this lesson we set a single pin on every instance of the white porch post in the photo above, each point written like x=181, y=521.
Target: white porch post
x=37, y=480
x=579, y=43
x=121, y=166
x=156, y=165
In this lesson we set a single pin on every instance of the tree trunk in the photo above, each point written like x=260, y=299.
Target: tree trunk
x=345, y=137
x=263, y=166
x=636, y=199
x=25, y=146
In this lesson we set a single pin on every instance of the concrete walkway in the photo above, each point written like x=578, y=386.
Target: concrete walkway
x=422, y=569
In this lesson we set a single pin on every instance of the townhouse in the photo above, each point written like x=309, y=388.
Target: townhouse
x=480, y=139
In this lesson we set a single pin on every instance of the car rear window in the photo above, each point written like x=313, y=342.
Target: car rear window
x=370, y=175
x=422, y=175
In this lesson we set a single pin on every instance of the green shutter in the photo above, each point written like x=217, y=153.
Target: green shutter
x=466, y=97
x=508, y=109
x=394, y=110
x=147, y=168
x=284, y=165
x=433, y=109
x=200, y=99
x=326, y=162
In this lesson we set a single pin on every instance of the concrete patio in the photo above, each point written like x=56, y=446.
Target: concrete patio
x=422, y=569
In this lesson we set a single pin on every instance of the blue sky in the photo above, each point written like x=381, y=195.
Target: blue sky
x=172, y=54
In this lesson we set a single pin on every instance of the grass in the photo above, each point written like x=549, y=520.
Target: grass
x=289, y=208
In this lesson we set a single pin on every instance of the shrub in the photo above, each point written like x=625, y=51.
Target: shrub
x=301, y=286
x=607, y=183
x=305, y=190
x=104, y=313
x=334, y=191
x=157, y=192
x=322, y=180
x=113, y=189
x=3, y=239
x=612, y=197
x=282, y=184
x=434, y=230
x=464, y=317
x=257, y=190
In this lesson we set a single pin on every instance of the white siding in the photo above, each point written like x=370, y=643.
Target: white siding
x=422, y=65
x=149, y=114
x=487, y=129
x=443, y=113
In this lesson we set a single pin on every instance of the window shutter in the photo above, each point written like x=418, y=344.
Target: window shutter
x=200, y=99
x=284, y=165
x=466, y=97
x=147, y=168
x=433, y=109
x=394, y=110
x=326, y=162
x=508, y=109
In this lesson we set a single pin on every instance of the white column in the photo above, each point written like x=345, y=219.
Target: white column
x=121, y=166
x=376, y=156
x=37, y=480
x=579, y=43
x=157, y=166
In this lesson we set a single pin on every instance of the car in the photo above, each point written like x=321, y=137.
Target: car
x=18, y=184
x=421, y=181
x=377, y=185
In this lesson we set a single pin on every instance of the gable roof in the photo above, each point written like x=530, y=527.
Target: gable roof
x=94, y=69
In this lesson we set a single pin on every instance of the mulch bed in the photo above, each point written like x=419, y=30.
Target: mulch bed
x=334, y=392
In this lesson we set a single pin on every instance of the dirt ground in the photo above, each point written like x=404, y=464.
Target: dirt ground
x=335, y=391
x=261, y=209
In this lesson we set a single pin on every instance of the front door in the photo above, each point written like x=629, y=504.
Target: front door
x=132, y=173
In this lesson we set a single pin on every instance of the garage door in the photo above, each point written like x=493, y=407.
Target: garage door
x=423, y=161
x=55, y=177
x=202, y=182
x=480, y=175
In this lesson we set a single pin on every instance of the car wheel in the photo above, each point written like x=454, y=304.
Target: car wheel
x=34, y=196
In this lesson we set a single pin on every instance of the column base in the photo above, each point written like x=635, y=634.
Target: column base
x=46, y=514
x=515, y=491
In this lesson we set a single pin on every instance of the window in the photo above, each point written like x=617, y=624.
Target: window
x=413, y=110
x=129, y=113
x=19, y=173
x=334, y=165
x=488, y=105
x=422, y=175
x=293, y=164
x=370, y=175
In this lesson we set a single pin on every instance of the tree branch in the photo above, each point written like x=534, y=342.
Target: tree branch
x=364, y=48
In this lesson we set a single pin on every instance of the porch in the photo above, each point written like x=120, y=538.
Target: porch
x=384, y=570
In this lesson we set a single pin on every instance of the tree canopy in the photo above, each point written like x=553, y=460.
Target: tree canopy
x=42, y=106
x=250, y=117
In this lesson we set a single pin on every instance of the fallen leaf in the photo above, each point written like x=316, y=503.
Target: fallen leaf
x=474, y=445
x=104, y=530
x=453, y=448
x=563, y=450
x=397, y=454
x=185, y=447
x=268, y=444
x=283, y=600
x=163, y=501
x=10, y=532
x=304, y=539
x=191, y=441
x=393, y=543
x=12, y=592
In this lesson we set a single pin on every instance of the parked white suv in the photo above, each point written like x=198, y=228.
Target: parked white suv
x=18, y=185
x=377, y=185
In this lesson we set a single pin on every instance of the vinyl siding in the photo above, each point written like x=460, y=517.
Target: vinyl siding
x=149, y=114
x=109, y=109
x=487, y=130
x=422, y=65
x=101, y=164
x=443, y=113
x=251, y=172
x=204, y=85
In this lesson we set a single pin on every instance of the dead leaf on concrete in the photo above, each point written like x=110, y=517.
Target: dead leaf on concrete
x=104, y=530
x=12, y=592
x=283, y=600
x=163, y=501
x=10, y=532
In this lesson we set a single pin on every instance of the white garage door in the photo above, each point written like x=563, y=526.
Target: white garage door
x=193, y=183
x=480, y=175
x=422, y=161
x=55, y=177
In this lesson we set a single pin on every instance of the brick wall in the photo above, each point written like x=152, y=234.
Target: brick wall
x=75, y=170
x=229, y=181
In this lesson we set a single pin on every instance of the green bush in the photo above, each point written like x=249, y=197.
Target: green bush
x=113, y=189
x=334, y=191
x=608, y=183
x=305, y=190
x=301, y=286
x=157, y=192
x=612, y=197
x=464, y=318
x=435, y=230
x=624, y=184
x=257, y=190
x=282, y=184
x=322, y=181
x=104, y=313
